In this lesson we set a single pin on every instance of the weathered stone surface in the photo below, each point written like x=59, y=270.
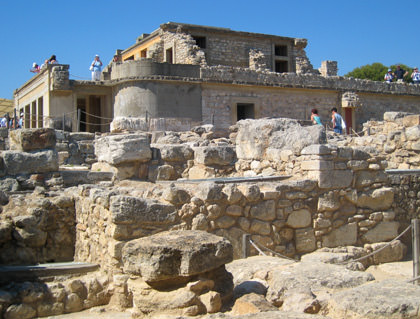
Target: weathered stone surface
x=211, y=301
x=17, y=162
x=332, y=178
x=394, y=252
x=314, y=276
x=385, y=299
x=176, y=195
x=413, y=133
x=305, y=240
x=256, y=136
x=214, y=155
x=299, y=219
x=21, y=311
x=251, y=303
x=32, y=139
x=343, y=236
x=301, y=299
x=9, y=185
x=175, y=153
x=169, y=255
x=265, y=210
x=383, y=231
x=165, y=173
x=117, y=149
x=379, y=199
x=128, y=210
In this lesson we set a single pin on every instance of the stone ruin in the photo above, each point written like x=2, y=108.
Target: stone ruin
x=152, y=221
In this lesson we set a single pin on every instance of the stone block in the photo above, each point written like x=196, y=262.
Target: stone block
x=332, y=178
x=214, y=155
x=411, y=120
x=413, y=133
x=383, y=231
x=118, y=149
x=394, y=252
x=346, y=235
x=175, y=153
x=317, y=149
x=175, y=254
x=17, y=162
x=144, y=211
x=299, y=219
x=379, y=199
x=265, y=210
x=317, y=165
x=305, y=240
x=32, y=139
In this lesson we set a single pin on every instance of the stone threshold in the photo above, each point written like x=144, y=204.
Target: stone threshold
x=34, y=272
x=226, y=180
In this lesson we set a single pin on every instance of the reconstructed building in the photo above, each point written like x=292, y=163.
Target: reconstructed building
x=183, y=75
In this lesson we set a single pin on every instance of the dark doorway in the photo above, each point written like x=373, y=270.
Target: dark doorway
x=81, y=105
x=245, y=111
x=169, y=56
x=282, y=66
x=94, y=114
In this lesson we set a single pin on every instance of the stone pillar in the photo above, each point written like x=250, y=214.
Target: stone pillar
x=257, y=60
x=349, y=99
x=303, y=65
x=60, y=76
x=328, y=68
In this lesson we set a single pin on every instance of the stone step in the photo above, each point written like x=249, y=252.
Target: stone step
x=35, y=272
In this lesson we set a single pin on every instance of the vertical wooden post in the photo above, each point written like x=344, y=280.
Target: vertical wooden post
x=415, y=228
x=245, y=245
x=64, y=122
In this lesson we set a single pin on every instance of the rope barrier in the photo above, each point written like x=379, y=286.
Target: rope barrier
x=95, y=123
x=98, y=117
x=376, y=251
x=413, y=279
x=271, y=251
x=255, y=246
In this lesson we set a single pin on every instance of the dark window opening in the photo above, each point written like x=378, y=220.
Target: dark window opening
x=245, y=111
x=129, y=58
x=280, y=50
x=200, y=41
x=143, y=53
x=169, y=57
x=282, y=66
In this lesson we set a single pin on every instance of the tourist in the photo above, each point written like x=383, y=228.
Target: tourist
x=4, y=120
x=416, y=76
x=53, y=60
x=389, y=76
x=315, y=117
x=400, y=74
x=336, y=120
x=96, y=67
x=20, y=123
x=35, y=68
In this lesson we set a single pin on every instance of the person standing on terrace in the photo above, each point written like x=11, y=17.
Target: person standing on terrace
x=96, y=68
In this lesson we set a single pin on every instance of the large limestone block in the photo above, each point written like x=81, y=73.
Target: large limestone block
x=214, y=155
x=411, y=120
x=299, y=218
x=413, y=133
x=171, y=255
x=251, y=303
x=332, y=178
x=291, y=279
x=379, y=199
x=117, y=149
x=144, y=211
x=305, y=240
x=391, y=253
x=255, y=137
x=385, y=299
x=175, y=153
x=343, y=236
x=383, y=231
x=32, y=139
x=17, y=162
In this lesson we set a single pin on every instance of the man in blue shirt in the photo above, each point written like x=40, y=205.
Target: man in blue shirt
x=336, y=120
x=96, y=68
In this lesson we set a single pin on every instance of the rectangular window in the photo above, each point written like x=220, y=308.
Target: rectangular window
x=245, y=111
x=200, y=41
x=282, y=66
x=280, y=50
x=143, y=53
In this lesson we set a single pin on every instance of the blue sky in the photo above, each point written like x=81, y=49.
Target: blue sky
x=354, y=33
